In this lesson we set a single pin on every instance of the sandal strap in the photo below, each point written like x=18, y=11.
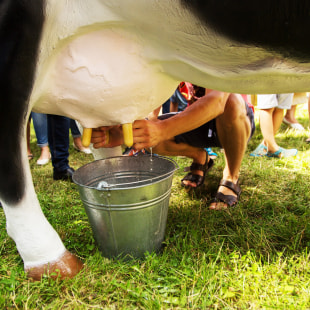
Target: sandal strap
x=195, y=166
x=234, y=187
x=229, y=199
x=195, y=178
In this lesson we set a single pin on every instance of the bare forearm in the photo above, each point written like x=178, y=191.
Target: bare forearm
x=149, y=133
x=203, y=110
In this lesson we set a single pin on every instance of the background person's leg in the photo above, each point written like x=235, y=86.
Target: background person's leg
x=58, y=138
x=77, y=140
x=269, y=125
x=284, y=102
x=40, y=128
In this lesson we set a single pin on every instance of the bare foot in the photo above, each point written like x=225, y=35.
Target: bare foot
x=45, y=153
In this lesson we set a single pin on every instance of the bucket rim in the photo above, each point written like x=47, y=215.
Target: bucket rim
x=115, y=186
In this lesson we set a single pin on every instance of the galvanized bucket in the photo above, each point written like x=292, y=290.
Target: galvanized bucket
x=126, y=199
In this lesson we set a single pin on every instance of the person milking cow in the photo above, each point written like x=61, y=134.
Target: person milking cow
x=217, y=119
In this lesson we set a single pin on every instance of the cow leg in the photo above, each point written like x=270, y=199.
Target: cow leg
x=37, y=242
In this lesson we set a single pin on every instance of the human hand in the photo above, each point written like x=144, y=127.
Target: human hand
x=147, y=134
x=107, y=136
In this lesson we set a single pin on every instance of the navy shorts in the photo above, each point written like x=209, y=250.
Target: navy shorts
x=206, y=135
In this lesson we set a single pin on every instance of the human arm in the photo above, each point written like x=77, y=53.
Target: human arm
x=148, y=133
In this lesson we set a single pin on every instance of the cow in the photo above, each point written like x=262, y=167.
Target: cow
x=106, y=62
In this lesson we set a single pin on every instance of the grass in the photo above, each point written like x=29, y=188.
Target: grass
x=255, y=256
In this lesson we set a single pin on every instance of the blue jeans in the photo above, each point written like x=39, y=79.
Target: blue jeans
x=75, y=132
x=166, y=107
x=58, y=139
x=40, y=128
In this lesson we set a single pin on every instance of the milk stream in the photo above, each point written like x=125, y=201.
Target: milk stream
x=151, y=159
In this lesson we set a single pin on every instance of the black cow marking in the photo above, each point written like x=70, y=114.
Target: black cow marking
x=281, y=26
x=21, y=24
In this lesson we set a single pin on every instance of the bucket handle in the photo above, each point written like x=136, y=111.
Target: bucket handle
x=105, y=185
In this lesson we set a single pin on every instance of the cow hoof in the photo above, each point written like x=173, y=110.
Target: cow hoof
x=66, y=267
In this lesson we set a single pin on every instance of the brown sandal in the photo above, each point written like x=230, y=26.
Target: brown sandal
x=230, y=200
x=195, y=178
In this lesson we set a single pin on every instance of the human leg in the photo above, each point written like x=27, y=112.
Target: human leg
x=284, y=102
x=77, y=141
x=201, y=161
x=270, y=117
x=277, y=117
x=58, y=138
x=274, y=150
x=269, y=124
x=266, y=105
x=30, y=155
x=40, y=128
x=234, y=129
x=289, y=117
x=192, y=144
x=75, y=132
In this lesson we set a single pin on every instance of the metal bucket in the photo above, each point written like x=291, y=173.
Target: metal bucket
x=126, y=199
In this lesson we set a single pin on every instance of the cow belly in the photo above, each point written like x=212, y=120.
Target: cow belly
x=101, y=78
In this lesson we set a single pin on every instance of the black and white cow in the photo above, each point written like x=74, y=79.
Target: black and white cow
x=106, y=62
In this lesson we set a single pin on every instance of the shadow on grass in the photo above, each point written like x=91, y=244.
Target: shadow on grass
x=272, y=216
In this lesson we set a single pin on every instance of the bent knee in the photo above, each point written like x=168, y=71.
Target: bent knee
x=235, y=105
x=235, y=109
x=235, y=115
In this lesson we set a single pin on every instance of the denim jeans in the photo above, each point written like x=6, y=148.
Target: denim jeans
x=58, y=139
x=166, y=107
x=40, y=128
x=75, y=132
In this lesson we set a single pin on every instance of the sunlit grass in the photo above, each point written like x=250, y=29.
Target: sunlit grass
x=255, y=256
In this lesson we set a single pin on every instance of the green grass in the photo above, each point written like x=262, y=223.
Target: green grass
x=255, y=256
